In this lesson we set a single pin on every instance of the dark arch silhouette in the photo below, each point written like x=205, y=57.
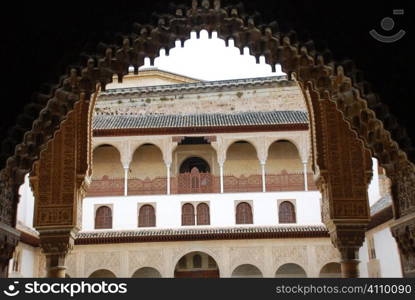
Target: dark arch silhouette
x=194, y=162
x=196, y=265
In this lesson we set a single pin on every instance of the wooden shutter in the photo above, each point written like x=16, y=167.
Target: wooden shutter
x=203, y=216
x=286, y=212
x=103, y=218
x=244, y=213
x=146, y=216
x=188, y=214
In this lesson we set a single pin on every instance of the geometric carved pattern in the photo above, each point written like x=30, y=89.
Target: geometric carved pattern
x=277, y=47
x=290, y=254
x=346, y=167
x=59, y=177
x=326, y=254
x=145, y=258
x=246, y=255
x=102, y=260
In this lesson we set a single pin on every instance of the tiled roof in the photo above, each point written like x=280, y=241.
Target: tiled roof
x=204, y=233
x=194, y=85
x=199, y=120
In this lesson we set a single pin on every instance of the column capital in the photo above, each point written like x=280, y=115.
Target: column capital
x=9, y=238
x=403, y=230
x=57, y=241
x=347, y=238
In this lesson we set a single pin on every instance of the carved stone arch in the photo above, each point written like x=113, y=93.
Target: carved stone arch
x=113, y=144
x=229, y=142
x=303, y=152
x=331, y=81
x=136, y=145
x=215, y=255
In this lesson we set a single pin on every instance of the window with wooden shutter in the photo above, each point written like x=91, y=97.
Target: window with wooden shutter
x=197, y=261
x=103, y=218
x=188, y=215
x=286, y=212
x=146, y=216
x=244, y=213
x=203, y=216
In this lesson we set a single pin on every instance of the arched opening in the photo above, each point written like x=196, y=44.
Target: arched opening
x=196, y=265
x=195, y=176
x=242, y=169
x=102, y=273
x=284, y=168
x=103, y=218
x=244, y=214
x=146, y=272
x=290, y=271
x=194, y=162
x=247, y=271
x=188, y=214
x=147, y=216
x=147, y=172
x=286, y=212
x=107, y=172
x=331, y=270
x=203, y=214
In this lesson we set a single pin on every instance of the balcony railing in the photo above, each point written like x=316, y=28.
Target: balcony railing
x=195, y=182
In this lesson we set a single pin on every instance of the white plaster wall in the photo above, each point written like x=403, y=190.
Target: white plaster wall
x=222, y=208
x=364, y=258
x=387, y=253
x=28, y=262
x=25, y=207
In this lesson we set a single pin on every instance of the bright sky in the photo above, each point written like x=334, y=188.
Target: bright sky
x=210, y=59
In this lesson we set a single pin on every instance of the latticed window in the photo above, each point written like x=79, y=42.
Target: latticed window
x=103, y=218
x=244, y=213
x=286, y=212
x=197, y=261
x=188, y=214
x=203, y=217
x=146, y=216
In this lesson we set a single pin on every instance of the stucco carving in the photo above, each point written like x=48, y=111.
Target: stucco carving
x=359, y=107
x=145, y=258
x=110, y=260
x=290, y=254
x=247, y=255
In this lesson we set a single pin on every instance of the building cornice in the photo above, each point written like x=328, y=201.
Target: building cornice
x=171, y=235
x=198, y=130
x=202, y=86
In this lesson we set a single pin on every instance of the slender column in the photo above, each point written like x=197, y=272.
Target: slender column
x=168, y=166
x=349, y=262
x=126, y=169
x=56, y=244
x=348, y=238
x=264, y=189
x=221, y=177
x=305, y=176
